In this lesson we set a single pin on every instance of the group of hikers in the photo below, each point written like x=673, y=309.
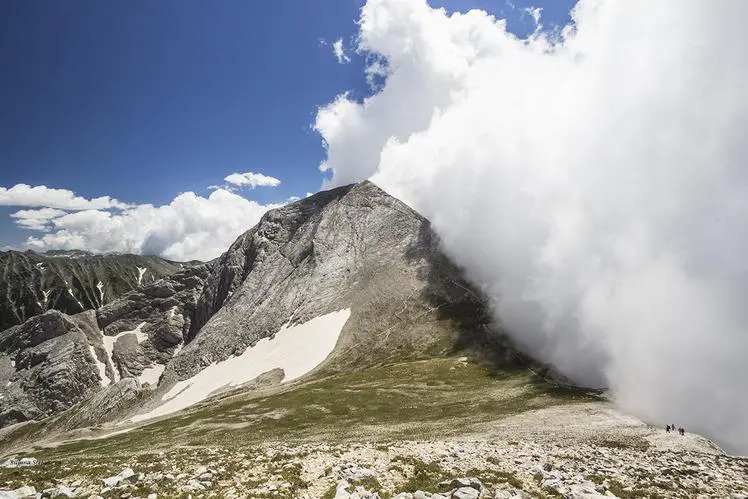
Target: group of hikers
x=670, y=428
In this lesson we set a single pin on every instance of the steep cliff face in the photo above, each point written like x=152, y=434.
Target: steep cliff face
x=347, y=278
x=33, y=283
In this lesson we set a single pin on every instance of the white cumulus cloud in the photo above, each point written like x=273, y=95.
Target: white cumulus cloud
x=38, y=219
x=191, y=227
x=40, y=195
x=252, y=180
x=593, y=182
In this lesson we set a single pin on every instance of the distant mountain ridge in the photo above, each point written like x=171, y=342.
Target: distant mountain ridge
x=70, y=281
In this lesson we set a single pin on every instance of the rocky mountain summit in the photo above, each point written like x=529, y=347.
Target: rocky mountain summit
x=353, y=255
x=70, y=281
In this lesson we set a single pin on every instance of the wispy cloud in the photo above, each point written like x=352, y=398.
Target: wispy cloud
x=339, y=51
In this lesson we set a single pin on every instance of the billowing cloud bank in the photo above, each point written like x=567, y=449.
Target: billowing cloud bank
x=593, y=182
x=190, y=227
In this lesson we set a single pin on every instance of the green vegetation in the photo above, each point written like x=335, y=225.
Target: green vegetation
x=426, y=476
x=494, y=477
x=411, y=400
x=369, y=483
x=630, y=443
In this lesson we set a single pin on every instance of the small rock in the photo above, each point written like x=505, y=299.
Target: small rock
x=129, y=475
x=25, y=491
x=111, y=482
x=507, y=493
x=465, y=493
x=195, y=485
x=60, y=491
x=458, y=483
x=340, y=492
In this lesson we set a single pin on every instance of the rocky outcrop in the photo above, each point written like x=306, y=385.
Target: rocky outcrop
x=54, y=361
x=46, y=366
x=34, y=283
x=161, y=312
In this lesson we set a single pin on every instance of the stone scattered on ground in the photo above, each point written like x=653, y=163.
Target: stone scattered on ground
x=401, y=470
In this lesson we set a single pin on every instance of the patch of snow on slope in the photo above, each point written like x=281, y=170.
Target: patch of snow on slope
x=296, y=349
x=141, y=272
x=46, y=296
x=109, y=342
x=101, y=292
x=177, y=350
x=151, y=374
x=105, y=381
x=70, y=292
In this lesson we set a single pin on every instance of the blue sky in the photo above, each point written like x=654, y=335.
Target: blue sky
x=142, y=100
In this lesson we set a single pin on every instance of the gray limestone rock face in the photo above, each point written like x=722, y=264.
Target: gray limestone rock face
x=354, y=247
x=161, y=311
x=48, y=367
x=54, y=361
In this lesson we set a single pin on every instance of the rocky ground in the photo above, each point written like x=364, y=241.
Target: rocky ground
x=407, y=470
x=382, y=433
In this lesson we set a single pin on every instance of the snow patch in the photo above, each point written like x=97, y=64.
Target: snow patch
x=109, y=342
x=46, y=296
x=177, y=350
x=295, y=349
x=101, y=293
x=141, y=272
x=105, y=381
x=70, y=292
x=107, y=435
x=151, y=374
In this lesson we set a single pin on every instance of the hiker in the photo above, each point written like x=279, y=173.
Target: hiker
x=667, y=429
x=681, y=431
